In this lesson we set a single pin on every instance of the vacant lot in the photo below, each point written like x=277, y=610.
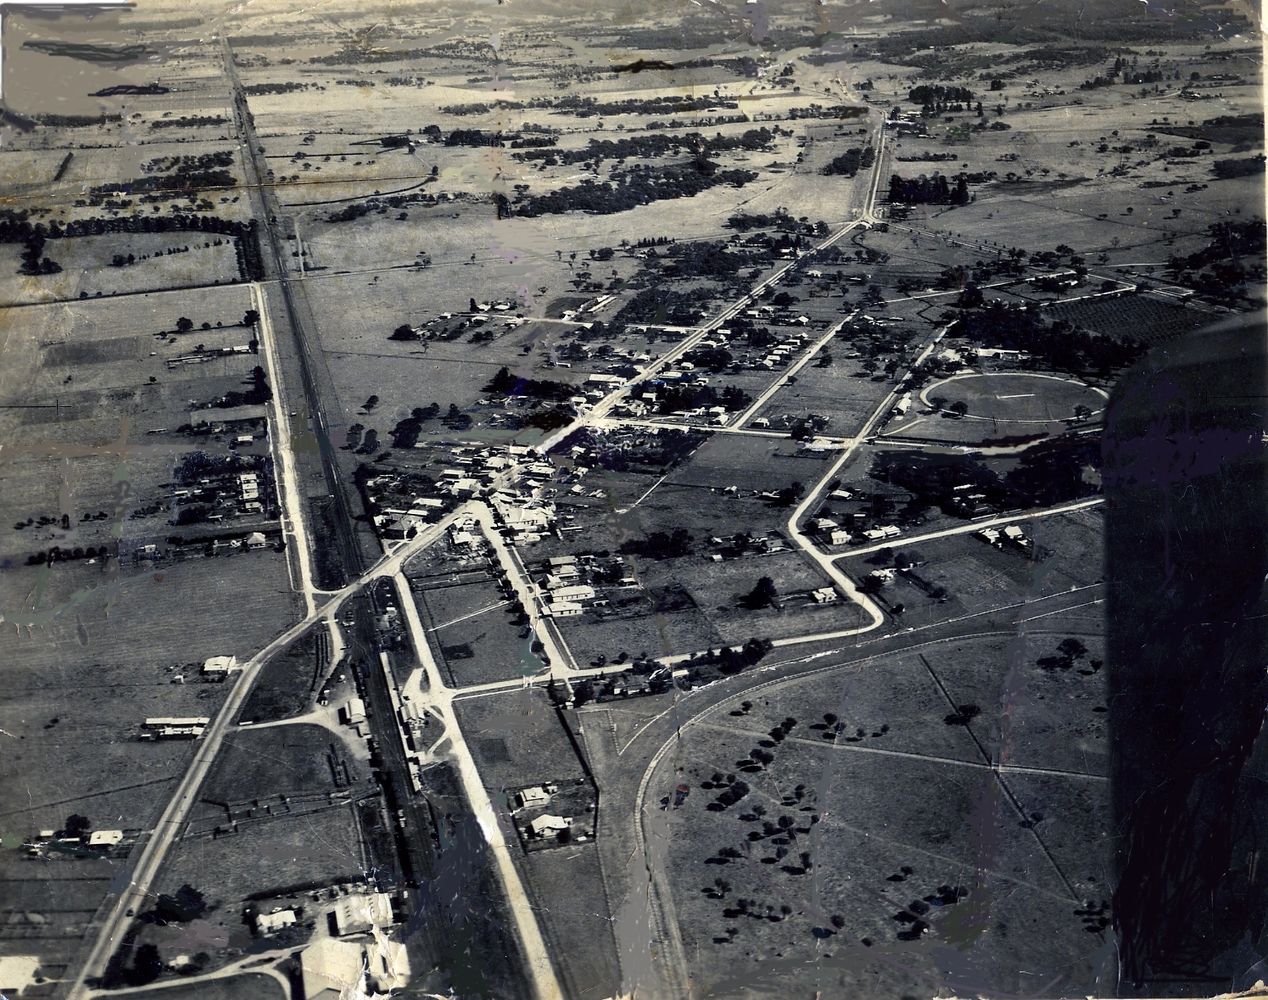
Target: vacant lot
x=517, y=739
x=473, y=633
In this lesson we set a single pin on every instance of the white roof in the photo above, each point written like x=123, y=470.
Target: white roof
x=104, y=838
x=328, y=964
x=548, y=824
x=266, y=923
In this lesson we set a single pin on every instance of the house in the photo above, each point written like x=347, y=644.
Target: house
x=823, y=524
x=1015, y=535
x=839, y=536
x=357, y=914
x=989, y=535
x=530, y=798
x=353, y=712
x=824, y=595
x=563, y=609
x=257, y=540
x=546, y=826
x=105, y=838
x=220, y=666
x=270, y=923
x=574, y=592
x=761, y=422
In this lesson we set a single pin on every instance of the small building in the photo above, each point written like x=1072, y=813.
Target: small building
x=548, y=826
x=530, y=798
x=1015, y=535
x=357, y=914
x=989, y=535
x=825, y=595
x=257, y=540
x=105, y=839
x=353, y=712
x=220, y=666
x=271, y=923
x=563, y=609
x=839, y=536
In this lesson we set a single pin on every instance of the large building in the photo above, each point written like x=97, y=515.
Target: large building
x=358, y=914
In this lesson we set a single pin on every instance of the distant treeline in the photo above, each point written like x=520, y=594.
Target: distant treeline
x=634, y=188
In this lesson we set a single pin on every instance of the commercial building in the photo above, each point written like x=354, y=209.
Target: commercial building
x=357, y=914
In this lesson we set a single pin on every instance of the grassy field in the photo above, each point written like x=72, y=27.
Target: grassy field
x=473, y=633
x=87, y=270
x=883, y=819
x=287, y=683
x=977, y=576
x=517, y=739
x=259, y=763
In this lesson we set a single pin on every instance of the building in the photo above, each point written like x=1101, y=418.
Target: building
x=563, y=609
x=271, y=923
x=573, y=593
x=530, y=798
x=825, y=595
x=105, y=839
x=548, y=826
x=257, y=540
x=839, y=536
x=353, y=712
x=989, y=535
x=357, y=914
x=1015, y=535
x=17, y=972
x=220, y=666
x=333, y=969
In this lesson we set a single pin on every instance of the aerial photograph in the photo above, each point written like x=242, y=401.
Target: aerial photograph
x=675, y=500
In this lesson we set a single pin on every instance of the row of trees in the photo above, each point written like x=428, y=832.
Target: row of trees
x=922, y=190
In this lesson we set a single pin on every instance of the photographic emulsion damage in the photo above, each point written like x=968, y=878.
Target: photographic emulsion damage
x=678, y=500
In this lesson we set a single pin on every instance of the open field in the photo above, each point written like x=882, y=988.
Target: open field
x=975, y=576
x=517, y=739
x=862, y=840
x=474, y=634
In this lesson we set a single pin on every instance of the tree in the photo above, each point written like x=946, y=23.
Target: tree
x=147, y=965
x=959, y=408
x=250, y=317
x=184, y=324
x=186, y=904
x=77, y=825
x=370, y=403
x=1072, y=648
x=764, y=595
x=403, y=332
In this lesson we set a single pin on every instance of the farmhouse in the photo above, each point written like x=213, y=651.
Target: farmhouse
x=530, y=798
x=105, y=838
x=270, y=923
x=220, y=666
x=545, y=826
